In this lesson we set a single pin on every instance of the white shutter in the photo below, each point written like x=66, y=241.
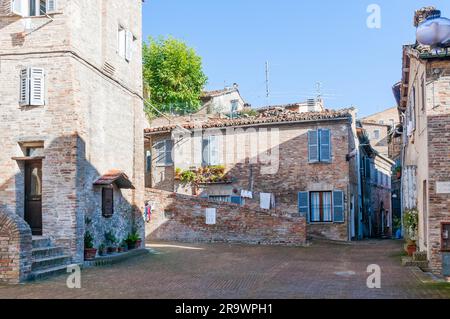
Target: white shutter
x=121, y=42
x=129, y=46
x=37, y=86
x=50, y=6
x=18, y=7
x=24, y=87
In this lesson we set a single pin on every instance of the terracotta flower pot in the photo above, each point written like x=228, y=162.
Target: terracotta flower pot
x=90, y=253
x=411, y=249
x=139, y=243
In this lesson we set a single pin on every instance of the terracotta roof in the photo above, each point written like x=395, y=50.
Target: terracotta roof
x=275, y=116
x=114, y=177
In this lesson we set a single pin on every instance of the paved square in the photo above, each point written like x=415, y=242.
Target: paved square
x=178, y=270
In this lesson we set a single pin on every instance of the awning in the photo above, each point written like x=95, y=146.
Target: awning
x=114, y=177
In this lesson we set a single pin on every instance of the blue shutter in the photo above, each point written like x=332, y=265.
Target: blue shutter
x=313, y=146
x=303, y=204
x=325, y=145
x=338, y=207
x=236, y=200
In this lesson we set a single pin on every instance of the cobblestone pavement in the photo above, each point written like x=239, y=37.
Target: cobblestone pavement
x=178, y=270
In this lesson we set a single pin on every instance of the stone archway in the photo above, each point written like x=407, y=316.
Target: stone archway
x=15, y=249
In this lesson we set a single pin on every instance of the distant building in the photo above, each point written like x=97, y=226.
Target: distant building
x=311, y=105
x=378, y=127
x=226, y=101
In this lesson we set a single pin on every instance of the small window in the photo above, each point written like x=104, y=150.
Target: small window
x=220, y=198
x=33, y=8
x=32, y=87
x=163, y=150
x=107, y=202
x=381, y=122
x=148, y=160
x=376, y=134
x=125, y=43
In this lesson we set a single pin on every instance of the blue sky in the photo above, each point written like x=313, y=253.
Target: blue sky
x=305, y=42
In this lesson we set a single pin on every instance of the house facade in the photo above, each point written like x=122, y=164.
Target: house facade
x=71, y=97
x=280, y=159
x=424, y=107
x=226, y=101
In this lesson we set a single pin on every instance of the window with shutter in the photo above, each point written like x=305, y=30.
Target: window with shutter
x=325, y=146
x=303, y=204
x=163, y=150
x=37, y=86
x=205, y=152
x=51, y=5
x=128, y=46
x=107, y=202
x=168, y=151
x=313, y=146
x=121, y=42
x=338, y=207
x=18, y=7
x=24, y=87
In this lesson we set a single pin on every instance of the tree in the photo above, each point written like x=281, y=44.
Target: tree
x=174, y=76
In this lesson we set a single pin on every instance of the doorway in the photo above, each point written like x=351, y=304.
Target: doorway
x=33, y=196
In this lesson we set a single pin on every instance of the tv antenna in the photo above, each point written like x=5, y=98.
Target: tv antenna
x=267, y=83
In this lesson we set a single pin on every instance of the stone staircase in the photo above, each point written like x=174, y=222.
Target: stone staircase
x=48, y=259
x=419, y=259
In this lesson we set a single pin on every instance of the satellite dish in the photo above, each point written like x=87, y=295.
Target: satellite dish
x=434, y=31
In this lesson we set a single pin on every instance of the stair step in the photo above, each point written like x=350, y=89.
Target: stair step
x=50, y=262
x=420, y=256
x=41, y=242
x=45, y=252
x=409, y=262
x=45, y=273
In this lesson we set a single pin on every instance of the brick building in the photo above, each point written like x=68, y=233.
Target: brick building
x=71, y=98
x=424, y=105
x=295, y=162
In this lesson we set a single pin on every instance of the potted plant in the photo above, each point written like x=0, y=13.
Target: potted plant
x=102, y=250
x=123, y=247
x=410, y=222
x=89, y=251
x=133, y=240
x=111, y=241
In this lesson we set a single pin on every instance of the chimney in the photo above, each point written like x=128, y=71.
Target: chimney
x=424, y=13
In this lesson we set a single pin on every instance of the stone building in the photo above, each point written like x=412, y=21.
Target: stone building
x=378, y=127
x=424, y=105
x=71, y=130
x=296, y=162
x=226, y=101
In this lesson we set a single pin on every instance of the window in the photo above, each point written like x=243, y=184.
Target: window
x=125, y=41
x=376, y=134
x=322, y=207
x=319, y=146
x=32, y=86
x=148, y=160
x=211, y=151
x=381, y=122
x=32, y=8
x=107, y=202
x=163, y=150
x=220, y=198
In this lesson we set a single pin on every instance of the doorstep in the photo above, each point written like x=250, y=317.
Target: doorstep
x=426, y=277
x=115, y=258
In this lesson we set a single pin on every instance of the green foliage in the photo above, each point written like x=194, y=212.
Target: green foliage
x=132, y=238
x=110, y=238
x=208, y=174
x=88, y=240
x=173, y=74
x=410, y=223
x=248, y=112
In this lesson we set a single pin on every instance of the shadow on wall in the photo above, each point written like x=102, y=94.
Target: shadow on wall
x=69, y=200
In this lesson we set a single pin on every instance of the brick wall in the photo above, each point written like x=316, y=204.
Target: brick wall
x=182, y=218
x=439, y=171
x=15, y=248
